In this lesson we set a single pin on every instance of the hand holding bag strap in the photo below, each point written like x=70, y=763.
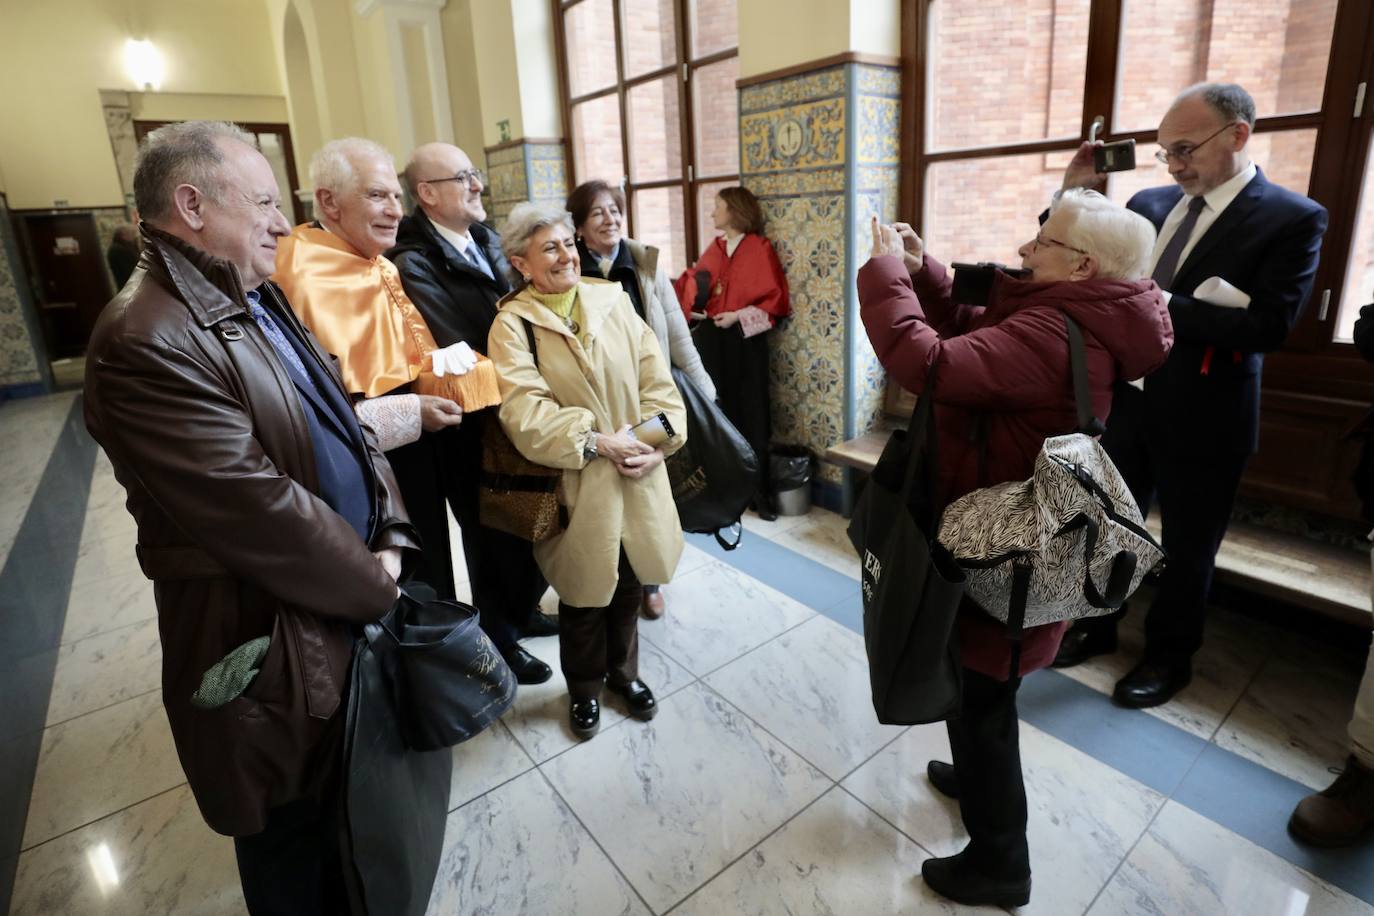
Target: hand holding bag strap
x=1082, y=389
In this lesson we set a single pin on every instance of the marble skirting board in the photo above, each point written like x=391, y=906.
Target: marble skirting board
x=820, y=150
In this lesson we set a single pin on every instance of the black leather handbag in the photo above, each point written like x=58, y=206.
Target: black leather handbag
x=715, y=473
x=911, y=585
x=448, y=680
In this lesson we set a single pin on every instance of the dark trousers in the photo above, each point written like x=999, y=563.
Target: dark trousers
x=986, y=745
x=1195, y=491
x=506, y=582
x=598, y=644
x=739, y=368
x=294, y=867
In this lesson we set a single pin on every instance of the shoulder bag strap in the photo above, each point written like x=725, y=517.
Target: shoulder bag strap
x=1082, y=392
x=529, y=337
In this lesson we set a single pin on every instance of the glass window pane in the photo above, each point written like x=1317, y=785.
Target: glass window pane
x=985, y=209
x=715, y=118
x=589, y=29
x=1285, y=156
x=1359, y=272
x=648, y=36
x=715, y=26
x=1019, y=65
x=705, y=203
x=1277, y=50
x=596, y=140
x=655, y=136
x=658, y=221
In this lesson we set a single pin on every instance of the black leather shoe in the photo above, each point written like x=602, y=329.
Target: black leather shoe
x=955, y=878
x=585, y=718
x=1082, y=643
x=942, y=777
x=540, y=624
x=527, y=668
x=639, y=698
x=763, y=507
x=1151, y=684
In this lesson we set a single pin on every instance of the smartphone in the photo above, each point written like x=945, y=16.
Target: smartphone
x=654, y=431
x=1115, y=157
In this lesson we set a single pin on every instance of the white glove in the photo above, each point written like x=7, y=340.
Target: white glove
x=458, y=359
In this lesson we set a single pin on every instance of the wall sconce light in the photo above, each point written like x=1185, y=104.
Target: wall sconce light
x=144, y=64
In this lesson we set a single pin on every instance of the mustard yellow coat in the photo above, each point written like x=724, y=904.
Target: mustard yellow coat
x=618, y=377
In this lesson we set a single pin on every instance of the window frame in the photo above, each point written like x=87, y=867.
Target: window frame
x=1311, y=361
x=685, y=67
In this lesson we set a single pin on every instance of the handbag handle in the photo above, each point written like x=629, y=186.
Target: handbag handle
x=1118, y=580
x=921, y=432
x=1082, y=394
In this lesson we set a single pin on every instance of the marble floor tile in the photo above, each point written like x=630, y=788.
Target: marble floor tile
x=95, y=765
x=32, y=427
x=693, y=558
x=822, y=537
x=718, y=614
x=100, y=559
x=484, y=762
x=156, y=857
x=100, y=605
x=675, y=801
x=519, y=850
x=102, y=670
x=1187, y=865
x=773, y=529
x=836, y=858
x=1084, y=816
x=809, y=688
x=538, y=719
x=1234, y=649
x=1293, y=717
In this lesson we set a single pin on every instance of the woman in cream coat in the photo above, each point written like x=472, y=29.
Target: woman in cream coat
x=596, y=371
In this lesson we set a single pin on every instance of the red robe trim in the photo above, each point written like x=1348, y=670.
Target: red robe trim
x=753, y=276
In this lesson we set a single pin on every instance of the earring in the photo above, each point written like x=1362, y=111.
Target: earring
x=527, y=278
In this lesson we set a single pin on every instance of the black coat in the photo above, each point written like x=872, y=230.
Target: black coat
x=1266, y=244
x=457, y=301
x=1364, y=471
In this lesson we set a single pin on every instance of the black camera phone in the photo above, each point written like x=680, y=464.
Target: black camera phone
x=973, y=282
x=1117, y=156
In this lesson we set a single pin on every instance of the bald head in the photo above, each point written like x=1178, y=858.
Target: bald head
x=442, y=179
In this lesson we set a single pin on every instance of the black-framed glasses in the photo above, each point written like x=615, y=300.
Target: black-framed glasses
x=1042, y=242
x=466, y=177
x=1184, y=154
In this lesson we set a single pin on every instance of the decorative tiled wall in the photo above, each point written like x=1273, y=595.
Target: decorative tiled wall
x=820, y=150
x=19, y=343
x=527, y=170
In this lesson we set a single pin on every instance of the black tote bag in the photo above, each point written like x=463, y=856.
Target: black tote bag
x=715, y=473
x=395, y=800
x=448, y=680
x=911, y=585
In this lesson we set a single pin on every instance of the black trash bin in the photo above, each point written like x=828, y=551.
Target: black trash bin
x=790, y=468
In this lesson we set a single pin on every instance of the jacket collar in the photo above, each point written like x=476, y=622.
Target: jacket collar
x=1226, y=222
x=598, y=298
x=418, y=233
x=209, y=286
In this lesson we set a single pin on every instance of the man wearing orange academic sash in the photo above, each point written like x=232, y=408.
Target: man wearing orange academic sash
x=351, y=297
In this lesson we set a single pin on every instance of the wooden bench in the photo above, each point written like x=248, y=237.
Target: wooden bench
x=1330, y=580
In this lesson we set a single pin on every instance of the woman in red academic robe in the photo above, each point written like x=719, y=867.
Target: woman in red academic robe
x=736, y=293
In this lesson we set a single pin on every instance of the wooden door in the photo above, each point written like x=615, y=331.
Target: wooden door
x=69, y=278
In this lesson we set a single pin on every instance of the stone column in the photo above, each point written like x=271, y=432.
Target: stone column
x=819, y=147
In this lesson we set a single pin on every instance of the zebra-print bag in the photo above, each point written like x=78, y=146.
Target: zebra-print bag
x=1068, y=543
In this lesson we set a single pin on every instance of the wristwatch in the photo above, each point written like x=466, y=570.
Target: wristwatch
x=589, y=447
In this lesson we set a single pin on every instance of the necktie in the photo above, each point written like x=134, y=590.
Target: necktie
x=1168, y=260
x=476, y=260
x=279, y=342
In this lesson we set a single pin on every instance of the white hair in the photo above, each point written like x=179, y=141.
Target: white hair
x=333, y=169
x=1119, y=240
x=524, y=221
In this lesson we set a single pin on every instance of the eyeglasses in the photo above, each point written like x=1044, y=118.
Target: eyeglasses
x=1184, y=154
x=1042, y=242
x=466, y=177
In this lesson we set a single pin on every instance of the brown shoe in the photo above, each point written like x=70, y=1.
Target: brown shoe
x=1340, y=814
x=652, y=607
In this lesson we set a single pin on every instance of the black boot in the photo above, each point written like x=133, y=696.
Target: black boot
x=585, y=718
x=943, y=778
x=638, y=697
x=956, y=878
x=763, y=505
x=527, y=668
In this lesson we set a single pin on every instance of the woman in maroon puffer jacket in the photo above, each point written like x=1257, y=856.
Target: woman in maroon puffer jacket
x=1007, y=365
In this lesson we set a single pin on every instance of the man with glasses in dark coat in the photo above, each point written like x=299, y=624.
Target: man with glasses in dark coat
x=453, y=270
x=1237, y=255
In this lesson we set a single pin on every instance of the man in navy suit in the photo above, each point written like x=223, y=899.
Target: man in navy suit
x=1226, y=235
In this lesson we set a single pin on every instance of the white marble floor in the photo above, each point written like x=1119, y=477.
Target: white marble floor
x=764, y=785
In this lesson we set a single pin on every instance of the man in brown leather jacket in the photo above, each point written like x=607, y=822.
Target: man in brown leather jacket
x=263, y=507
